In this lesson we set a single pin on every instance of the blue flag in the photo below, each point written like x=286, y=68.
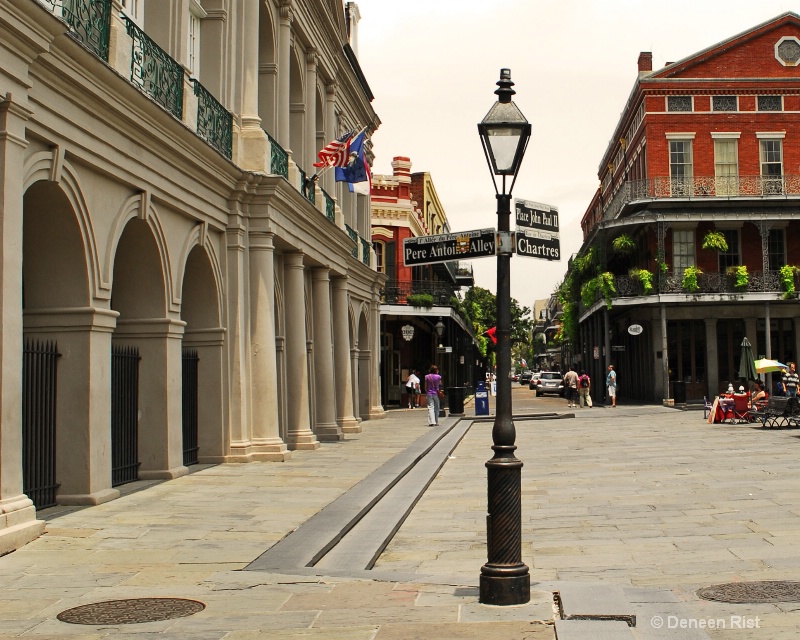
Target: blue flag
x=357, y=169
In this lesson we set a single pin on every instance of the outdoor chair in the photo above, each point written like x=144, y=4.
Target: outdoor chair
x=706, y=407
x=741, y=412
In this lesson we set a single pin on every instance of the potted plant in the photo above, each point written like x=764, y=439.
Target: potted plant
x=787, y=273
x=715, y=241
x=645, y=277
x=739, y=276
x=623, y=244
x=690, y=282
x=420, y=300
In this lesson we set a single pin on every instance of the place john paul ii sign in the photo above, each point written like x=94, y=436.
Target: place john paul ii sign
x=537, y=236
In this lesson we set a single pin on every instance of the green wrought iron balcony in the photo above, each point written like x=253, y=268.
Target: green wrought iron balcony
x=354, y=237
x=154, y=71
x=214, y=122
x=89, y=22
x=307, y=187
x=330, y=207
x=278, y=158
x=365, y=251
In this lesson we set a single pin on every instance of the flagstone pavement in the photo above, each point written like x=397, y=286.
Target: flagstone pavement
x=643, y=499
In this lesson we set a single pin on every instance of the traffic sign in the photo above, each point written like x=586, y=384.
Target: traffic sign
x=449, y=246
x=538, y=244
x=535, y=215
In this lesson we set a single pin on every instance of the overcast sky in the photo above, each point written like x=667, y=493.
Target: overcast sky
x=433, y=65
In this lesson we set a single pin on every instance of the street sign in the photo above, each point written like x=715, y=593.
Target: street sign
x=538, y=244
x=449, y=246
x=535, y=215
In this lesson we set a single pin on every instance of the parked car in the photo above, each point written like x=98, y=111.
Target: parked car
x=550, y=382
x=514, y=377
x=525, y=377
x=534, y=380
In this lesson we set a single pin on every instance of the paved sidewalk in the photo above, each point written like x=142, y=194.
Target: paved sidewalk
x=638, y=501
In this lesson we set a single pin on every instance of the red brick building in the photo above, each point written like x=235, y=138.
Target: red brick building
x=406, y=205
x=710, y=143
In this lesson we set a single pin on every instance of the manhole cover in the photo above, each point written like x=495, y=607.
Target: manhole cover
x=753, y=592
x=131, y=611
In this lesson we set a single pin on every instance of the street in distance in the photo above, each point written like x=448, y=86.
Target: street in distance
x=449, y=246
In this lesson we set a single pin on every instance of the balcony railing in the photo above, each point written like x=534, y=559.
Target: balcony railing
x=214, y=122
x=278, y=158
x=154, y=71
x=89, y=21
x=330, y=207
x=354, y=237
x=396, y=292
x=365, y=251
x=701, y=187
x=307, y=187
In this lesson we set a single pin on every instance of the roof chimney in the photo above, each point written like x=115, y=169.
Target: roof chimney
x=645, y=61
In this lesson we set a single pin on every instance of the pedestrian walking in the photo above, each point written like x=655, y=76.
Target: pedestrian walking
x=584, y=386
x=611, y=384
x=412, y=388
x=434, y=393
x=571, y=387
x=790, y=381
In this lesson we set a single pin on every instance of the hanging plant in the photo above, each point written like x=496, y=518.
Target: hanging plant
x=663, y=267
x=420, y=300
x=715, y=241
x=605, y=282
x=787, y=273
x=623, y=244
x=589, y=292
x=690, y=282
x=645, y=277
x=740, y=278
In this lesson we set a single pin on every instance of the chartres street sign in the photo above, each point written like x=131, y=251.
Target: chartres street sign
x=449, y=246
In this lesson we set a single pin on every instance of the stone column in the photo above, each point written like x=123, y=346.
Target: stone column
x=83, y=409
x=310, y=155
x=326, y=428
x=342, y=358
x=284, y=65
x=159, y=341
x=664, y=354
x=299, y=434
x=329, y=177
x=376, y=408
x=254, y=154
x=267, y=443
x=18, y=524
x=712, y=357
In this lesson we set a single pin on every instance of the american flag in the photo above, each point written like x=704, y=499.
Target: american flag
x=336, y=153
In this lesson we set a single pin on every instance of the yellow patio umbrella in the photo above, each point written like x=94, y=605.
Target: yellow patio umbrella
x=765, y=365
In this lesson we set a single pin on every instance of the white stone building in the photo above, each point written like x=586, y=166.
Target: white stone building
x=206, y=302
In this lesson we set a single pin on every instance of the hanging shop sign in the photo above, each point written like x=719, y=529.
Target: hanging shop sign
x=408, y=332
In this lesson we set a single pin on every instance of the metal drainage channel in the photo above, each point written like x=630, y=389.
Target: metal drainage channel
x=131, y=611
x=753, y=592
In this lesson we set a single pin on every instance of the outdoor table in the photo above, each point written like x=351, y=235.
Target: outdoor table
x=722, y=408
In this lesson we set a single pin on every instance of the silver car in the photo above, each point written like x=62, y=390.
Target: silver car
x=550, y=382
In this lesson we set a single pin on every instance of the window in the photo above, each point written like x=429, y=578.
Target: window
x=682, y=250
x=724, y=103
x=196, y=13
x=776, y=249
x=770, y=103
x=378, y=248
x=731, y=257
x=726, y=167
x=134, y=10
x=680, y=167
x=679, y=103
x=772, y=166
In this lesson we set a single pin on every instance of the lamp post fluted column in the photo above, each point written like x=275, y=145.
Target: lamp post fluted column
x=505, y=579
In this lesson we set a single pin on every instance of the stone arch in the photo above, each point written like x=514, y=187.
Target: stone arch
x=365, y=356
x=202, y=383
x=198, y=238
x=297, y=106
x=267, y=68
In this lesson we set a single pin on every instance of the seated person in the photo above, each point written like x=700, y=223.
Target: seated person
x=758, y=395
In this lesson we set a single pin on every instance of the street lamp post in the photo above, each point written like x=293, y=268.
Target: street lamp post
x=505, y=579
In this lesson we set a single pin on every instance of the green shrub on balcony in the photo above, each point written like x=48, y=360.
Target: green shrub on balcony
x=739, y=275
x=690, y=282
x=787, y=273
x=420, y=300
x=623, y=244
x=605, y=282
x=645, y=277
x=589, y=292
x=715, y=241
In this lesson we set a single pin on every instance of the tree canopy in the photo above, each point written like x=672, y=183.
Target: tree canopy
x=481, y=305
